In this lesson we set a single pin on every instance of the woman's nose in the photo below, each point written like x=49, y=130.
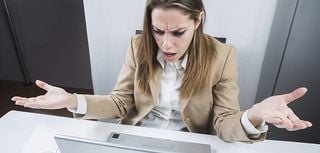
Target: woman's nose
x=167, y=43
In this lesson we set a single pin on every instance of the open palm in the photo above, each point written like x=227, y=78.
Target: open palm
x=55, y=98
x=274, y=110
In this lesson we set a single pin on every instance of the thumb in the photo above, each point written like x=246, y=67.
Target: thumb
x=294, y=95
x=43, y=85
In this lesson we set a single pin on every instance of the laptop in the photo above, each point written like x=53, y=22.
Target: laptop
x=127, y=143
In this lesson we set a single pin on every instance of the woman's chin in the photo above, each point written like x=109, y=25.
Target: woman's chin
x=170, y=59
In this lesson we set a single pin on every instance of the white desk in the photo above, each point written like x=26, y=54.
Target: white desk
x=16, y=128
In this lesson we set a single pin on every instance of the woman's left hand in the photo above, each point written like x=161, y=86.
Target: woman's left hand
x=274, y=110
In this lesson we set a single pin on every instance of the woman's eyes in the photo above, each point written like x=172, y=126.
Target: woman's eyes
x=158, y=32
x=174, y=33
x=178, y=33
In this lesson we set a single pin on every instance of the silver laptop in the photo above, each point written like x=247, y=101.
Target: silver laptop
x=127, y=143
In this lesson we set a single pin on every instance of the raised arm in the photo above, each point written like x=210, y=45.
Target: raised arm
x=54, y=98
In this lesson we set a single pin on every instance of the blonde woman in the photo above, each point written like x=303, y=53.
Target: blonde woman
x=176, y=77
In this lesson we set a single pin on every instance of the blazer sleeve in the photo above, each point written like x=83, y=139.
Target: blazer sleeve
x=121, y=99
x=226, y=111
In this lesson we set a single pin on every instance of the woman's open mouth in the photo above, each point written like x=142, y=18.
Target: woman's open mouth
x=169, y=54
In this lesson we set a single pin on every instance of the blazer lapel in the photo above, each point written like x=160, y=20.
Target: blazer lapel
x=155, y=83
x=184, y=102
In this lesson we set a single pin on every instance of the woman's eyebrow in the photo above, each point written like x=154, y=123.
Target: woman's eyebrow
x=176, y=30
x=179, y=29
x=155, y=28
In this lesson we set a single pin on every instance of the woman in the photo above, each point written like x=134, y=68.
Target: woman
x=176, y=77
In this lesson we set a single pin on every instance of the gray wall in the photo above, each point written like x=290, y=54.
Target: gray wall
x=245, y=23
x=52, y=41
x=9, y=65
x=281, y=26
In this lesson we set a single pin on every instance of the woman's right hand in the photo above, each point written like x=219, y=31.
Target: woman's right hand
x=55, y=98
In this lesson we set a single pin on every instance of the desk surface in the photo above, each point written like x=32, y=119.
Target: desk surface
x=16, y=128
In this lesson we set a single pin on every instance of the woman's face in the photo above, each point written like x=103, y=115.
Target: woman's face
x=173, y=32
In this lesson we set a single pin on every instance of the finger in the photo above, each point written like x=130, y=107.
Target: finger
x=293, y=117
x=23, y=101
x=38, y=105
x=276, y=118
x=295, y=94
x=279, y=125
x=43, y=85
x=296, y=128
x=20, y=102
x=273, y=120
x=18, y=98
x=309, y=124
x=302, y=122
x=34, y=105
x=31, y=103
x=285, y=122
x=299, y=125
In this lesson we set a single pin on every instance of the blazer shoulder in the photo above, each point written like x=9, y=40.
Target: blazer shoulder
x=222, y=50
x=133, y=46
x=135, y=40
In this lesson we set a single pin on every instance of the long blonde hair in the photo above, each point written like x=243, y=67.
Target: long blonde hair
x=200, y=53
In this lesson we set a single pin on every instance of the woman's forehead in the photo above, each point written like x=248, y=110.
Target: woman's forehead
x=169, y=19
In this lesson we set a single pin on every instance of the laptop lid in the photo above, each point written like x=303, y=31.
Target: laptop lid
x=70, y=144
x=126, y=143
x=164, y=145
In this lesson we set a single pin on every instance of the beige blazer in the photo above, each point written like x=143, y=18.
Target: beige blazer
x=213, y=110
